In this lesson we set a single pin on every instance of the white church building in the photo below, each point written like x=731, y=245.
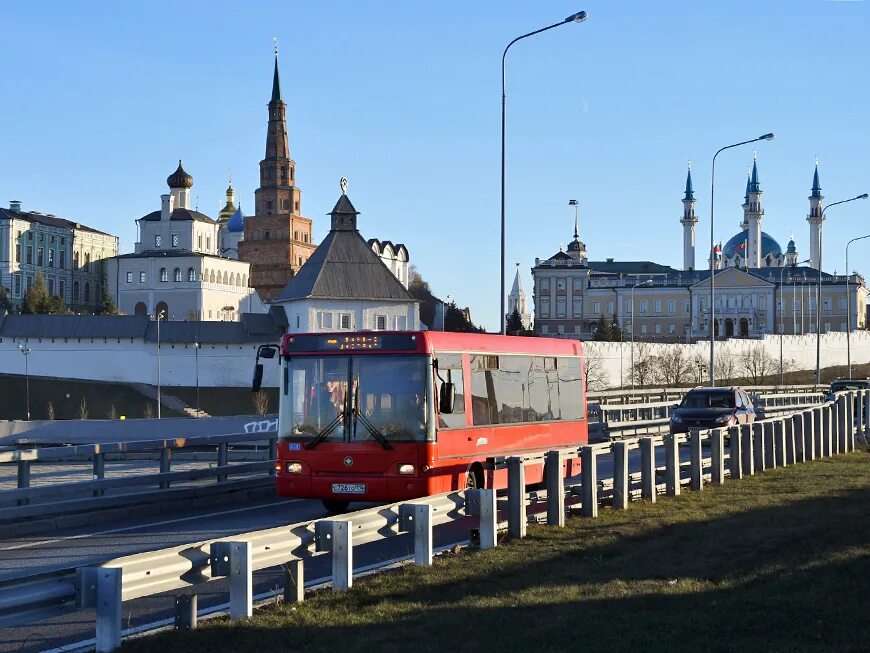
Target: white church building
x=177, y=268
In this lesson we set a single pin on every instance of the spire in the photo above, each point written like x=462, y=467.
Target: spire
x=575, y=204
x=343, y=213
x=276, y=83
x=753, y=186
x=517, y=288
x=817, y=188
x=690, y=191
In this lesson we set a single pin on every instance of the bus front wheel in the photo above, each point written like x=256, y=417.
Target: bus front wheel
x=335, y=506
x=474, y=478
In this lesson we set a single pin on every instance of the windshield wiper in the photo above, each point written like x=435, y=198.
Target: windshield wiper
x=327, y=430
x=375, y=433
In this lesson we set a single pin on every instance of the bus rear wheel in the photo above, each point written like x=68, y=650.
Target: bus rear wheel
x=335, y=506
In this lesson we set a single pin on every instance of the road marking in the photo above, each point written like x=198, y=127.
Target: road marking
x=156, y=523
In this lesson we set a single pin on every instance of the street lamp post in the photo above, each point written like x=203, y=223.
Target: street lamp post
x=819, y=289
x=579, y=17
x=782, y=313
x=444, y=313
x=633, y=313
x=765, y=137
x=196, y=347
x=849, y=307
x=24, y=349
x=160, y=316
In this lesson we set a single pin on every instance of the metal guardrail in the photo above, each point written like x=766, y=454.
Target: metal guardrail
x=645, y=395
x=807, y=434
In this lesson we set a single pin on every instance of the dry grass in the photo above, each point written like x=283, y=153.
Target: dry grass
x=778, y=562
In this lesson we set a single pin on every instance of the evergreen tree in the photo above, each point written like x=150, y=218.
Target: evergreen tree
x=5, y=302
x=55, y=306
x=602, y=330
x=109, y=306
x=616, y=333
x=514, y=323
x=36, y=298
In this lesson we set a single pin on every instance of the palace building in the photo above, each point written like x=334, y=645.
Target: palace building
x=759, y=289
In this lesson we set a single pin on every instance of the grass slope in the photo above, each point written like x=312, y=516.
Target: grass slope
x=778, y=562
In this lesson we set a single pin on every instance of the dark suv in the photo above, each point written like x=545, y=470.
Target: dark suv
x=705, y=408
x=844, y=385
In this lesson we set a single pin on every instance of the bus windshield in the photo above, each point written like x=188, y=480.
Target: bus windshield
x=389, y=392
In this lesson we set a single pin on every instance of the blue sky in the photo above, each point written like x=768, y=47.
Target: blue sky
x=101, y=99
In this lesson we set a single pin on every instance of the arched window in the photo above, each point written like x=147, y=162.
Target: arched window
x=162, y=308
x=87, y=259
x=300, y=261
x=226, y=278
x=304, y=238
x=205, y=274
x=191, y=274
x=266, y=235
x=245, y=280
x=87, y=293
x=295, y=235
x=177, y=274
x=211, y=278
x=164, y=275
x=140, y=309
x=75, y=291
x=75, y=259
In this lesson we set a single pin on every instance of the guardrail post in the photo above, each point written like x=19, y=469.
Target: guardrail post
x=717, y=456
x=851, y=405
x=273, y=454
x=648, y=469
x=735, y=443
x=827, y=430
x=233, y=560
x=165, y=465
x=672, y=465
x=809, y=436
x=222, y=460
x=589, y=477
x=797, y=423
x=779, y=442
x=620, y=475
x=696, y=476
x=294, y=581
x=748, y=450
x=818, y=429
x=769, y=445
x=516, y=497
x=842, y=424
x=866, y=415
x=555, y=489
x=481, y=503
x=23, y=479
x=108, y=581
x=758, y=446
x=423, y=535
x=858, y=411
x=99, y=471
x=337, y=537
x=186, y=612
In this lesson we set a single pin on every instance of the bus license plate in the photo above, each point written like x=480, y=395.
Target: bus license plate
x=348, y=488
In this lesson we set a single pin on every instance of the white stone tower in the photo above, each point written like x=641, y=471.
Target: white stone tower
x=752, y=217
x=815, y=218
x=517, y=301
x=689, y=220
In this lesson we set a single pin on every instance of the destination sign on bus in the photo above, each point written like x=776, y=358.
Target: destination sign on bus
x=355, y=342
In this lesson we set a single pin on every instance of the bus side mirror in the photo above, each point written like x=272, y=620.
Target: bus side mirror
x=266, y=351
x=258, y=378
x=447, y=397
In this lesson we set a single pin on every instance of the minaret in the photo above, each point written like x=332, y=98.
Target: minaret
x=229, y=208
x=689, y=220
x=815, y=218
x=752, y=215
x=791, y=253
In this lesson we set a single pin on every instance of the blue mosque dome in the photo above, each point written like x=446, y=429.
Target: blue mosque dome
x=236, y=223
x=768, y=245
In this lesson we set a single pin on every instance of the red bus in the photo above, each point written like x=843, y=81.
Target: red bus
x=386, y=416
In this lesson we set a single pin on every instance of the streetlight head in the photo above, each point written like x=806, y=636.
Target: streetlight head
x=766, y=137
x=579, y=17
x=573, y=202
x=862, y=197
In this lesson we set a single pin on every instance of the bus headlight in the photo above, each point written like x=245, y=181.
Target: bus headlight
x=293, y=468
x=405, y=468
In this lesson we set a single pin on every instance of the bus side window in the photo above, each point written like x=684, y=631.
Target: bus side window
x=449, y=369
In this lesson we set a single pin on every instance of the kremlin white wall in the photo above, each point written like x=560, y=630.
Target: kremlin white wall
x=800, y=350
x=220, y=365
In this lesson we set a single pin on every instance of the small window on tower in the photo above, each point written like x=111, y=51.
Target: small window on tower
x=175, y=240
x=269, y=205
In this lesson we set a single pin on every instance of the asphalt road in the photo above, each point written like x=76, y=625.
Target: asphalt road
x=24, y=556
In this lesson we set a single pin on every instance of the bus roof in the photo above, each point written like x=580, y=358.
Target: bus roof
x=425, y=342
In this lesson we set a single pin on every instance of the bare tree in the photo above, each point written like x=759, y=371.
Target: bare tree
x=83, y=409
x=644, y=369
x=674, y=368
x=596, y=376
x=725, y=367
x=757, y=364
x=112, y=413
x=148, y=411
x=261, y=402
